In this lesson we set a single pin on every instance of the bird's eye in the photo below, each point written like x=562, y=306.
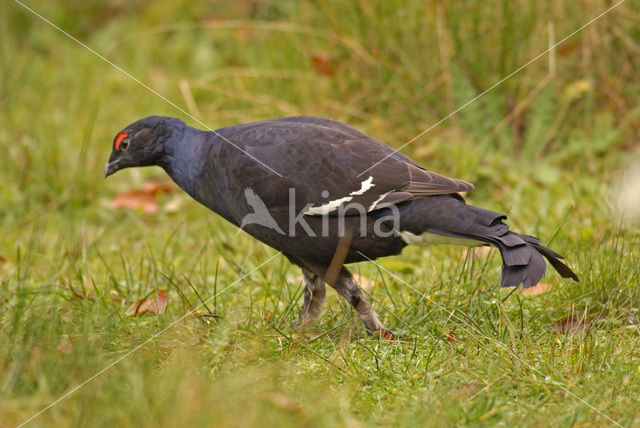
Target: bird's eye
x=121, y=142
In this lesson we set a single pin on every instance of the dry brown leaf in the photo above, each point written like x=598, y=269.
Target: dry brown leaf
x=144, y=198
x=453, y=338
x=541, y=288
x=148, y=305
x=135, y=200
x=155, y=187
x=322, y=64
x=384, y=335
x=566, y=48
x=571, y=324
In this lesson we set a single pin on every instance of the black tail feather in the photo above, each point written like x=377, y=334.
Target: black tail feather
x=553, y=257
x=522, y=255
x=524, y=264
x=523, y=261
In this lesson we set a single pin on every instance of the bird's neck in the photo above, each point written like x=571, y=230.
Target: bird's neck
x=184, y=158
x=191, y=162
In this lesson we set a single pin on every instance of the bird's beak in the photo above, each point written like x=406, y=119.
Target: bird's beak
x=110, y=168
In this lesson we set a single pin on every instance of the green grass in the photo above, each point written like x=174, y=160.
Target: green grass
x=545, y=146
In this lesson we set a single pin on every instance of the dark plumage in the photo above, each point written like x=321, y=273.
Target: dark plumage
x=297, y=184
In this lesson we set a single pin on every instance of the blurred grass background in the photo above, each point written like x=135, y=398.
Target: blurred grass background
x=546, y=146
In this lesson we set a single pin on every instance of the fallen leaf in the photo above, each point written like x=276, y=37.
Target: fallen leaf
x=144, y=198
x=135, y=200
x=541, y=288
x=384, y=335
x=148, y=305
x=571, y=324
x=453, y=338
x=565, y=49
x=322, y=64
x=155, y=187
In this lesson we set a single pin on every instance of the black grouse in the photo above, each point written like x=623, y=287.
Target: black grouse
x=325, y=194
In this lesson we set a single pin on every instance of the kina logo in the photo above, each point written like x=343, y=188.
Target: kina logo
x=260, y=214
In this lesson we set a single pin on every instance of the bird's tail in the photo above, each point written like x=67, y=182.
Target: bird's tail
x=522, y=255
x=522, y=261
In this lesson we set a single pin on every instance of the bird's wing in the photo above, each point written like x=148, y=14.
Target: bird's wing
x=330, y=165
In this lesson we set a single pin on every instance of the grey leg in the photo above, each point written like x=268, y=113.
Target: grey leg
x=314, y=294
x=347, y=288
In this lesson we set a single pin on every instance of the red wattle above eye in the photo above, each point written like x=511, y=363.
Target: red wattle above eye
x=121, y=136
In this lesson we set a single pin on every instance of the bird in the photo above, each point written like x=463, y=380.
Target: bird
x=326, y=195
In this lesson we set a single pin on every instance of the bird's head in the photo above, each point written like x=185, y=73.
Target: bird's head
x=143, y=143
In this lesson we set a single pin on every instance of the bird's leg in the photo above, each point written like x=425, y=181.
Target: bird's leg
x=347, y=288
x=314, y=294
